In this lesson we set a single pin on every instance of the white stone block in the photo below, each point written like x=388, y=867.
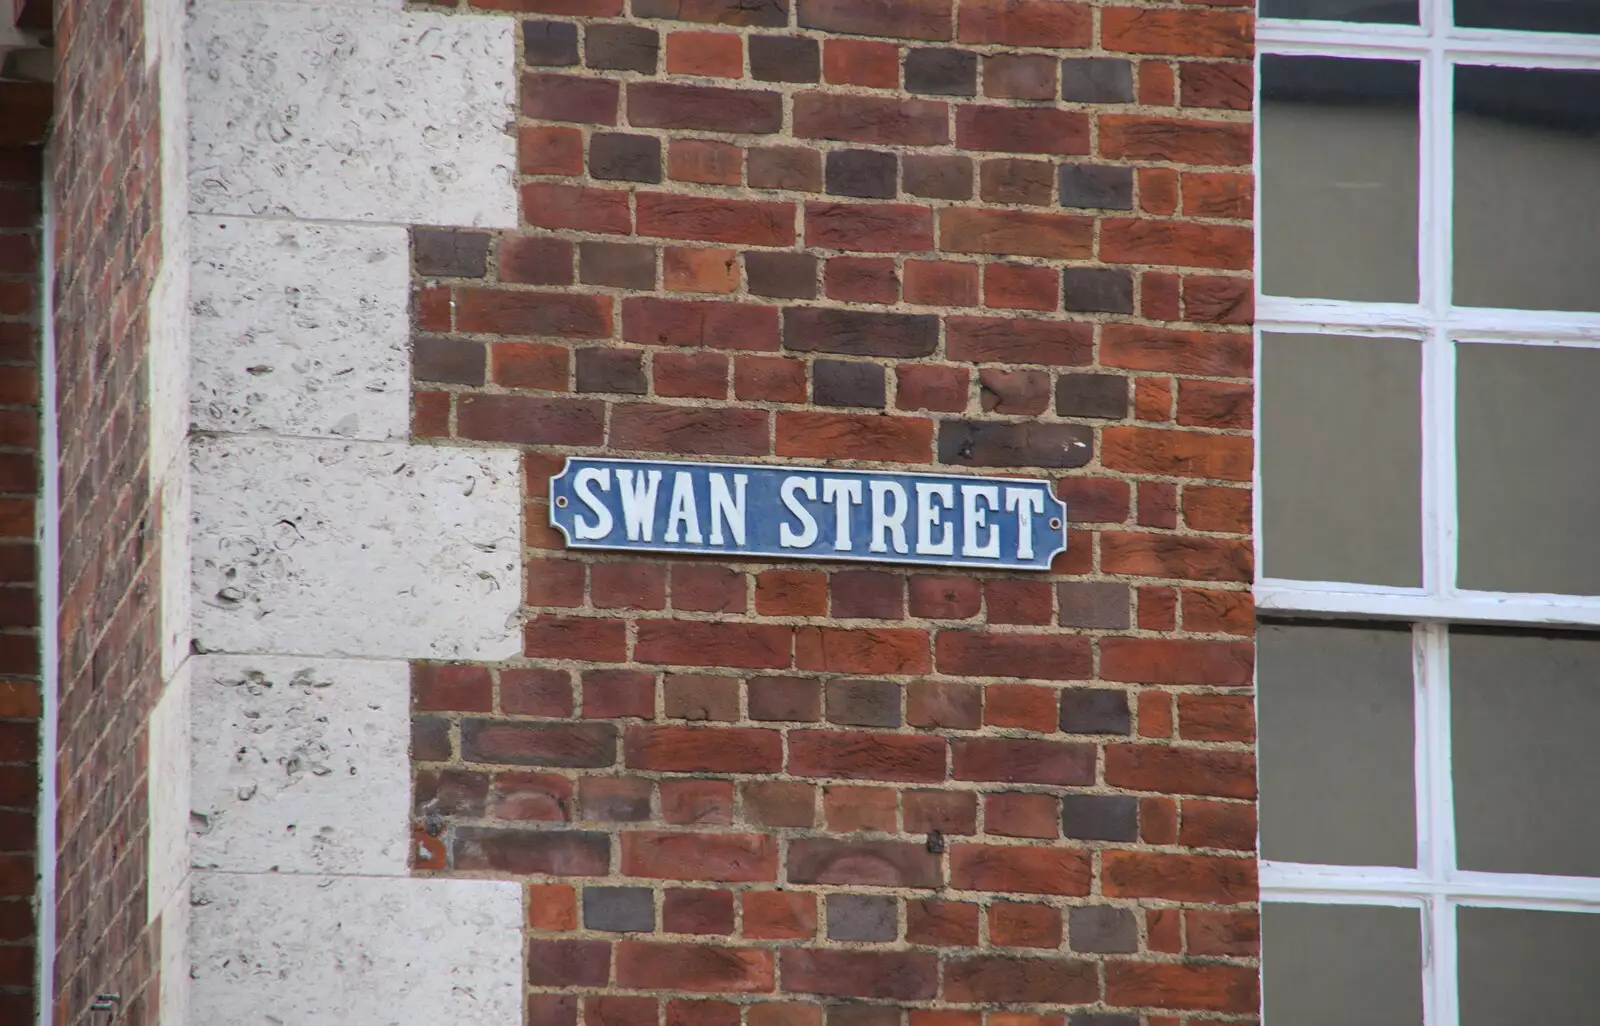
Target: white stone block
x=169, y=789
x=313, y=547
x=355, y=951
x=300, y=765
x=300, y=329
x=347, y=113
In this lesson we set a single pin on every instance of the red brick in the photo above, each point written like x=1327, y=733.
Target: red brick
x=897, y=975
x=1021, y=287
x=785, y=1014
x=1024, y=869
x=706, y=219
x=550, y=150
x=1222, y=932
x=718, y=54
x=557, y=637
x=791, y=593
x=849, y=809
x=619, y=1011
x=570, y=98
x=779, y=915
x=1155, y=709
x=689, y=429
x=535, y=797
x=1217, y=509
x=628, y=586
x=1158, y=86
x=871, y=119
x=921, y=386
x=564, y=314
x=1043, y=656
x=555, y=582
x=1183, y=557
x=1179, y=243
x=861, y=62
x=552, y=907
x=861, y=650
x=1022, y=760
x=950, y=812
x=698, y=587
x=942, y=923
x=695, y=967
x=696, y=696
x=1218, y=612
x=568, y=963
x=780, y=803
x=769, y=378
x=1158, y=821
x=1092, y=500
x=461, y=688
x=1169, y=661
x=861, y=280
x=1213, y=354
x=1022, y=925
x=536, y=692
x=520, y=851
x=1196, y=771
x=1159, y=296
x=1199, y=878
x=1218, y=195
x=1217, y=717
x=859, y=755
x=730, y=858
x=869, y=227
x=1218, y=300
x=1223, y=86
x=1134, y=137
x=1021, y=129
x=529, y=365
x=1019, y=814
x=902, y=19
x=1027, y=706
x=1185, y=31
x=700, y=160
x=611, y=694
x=677, y=749
x=1048, y=23
x=1228, y=825
x=1019, y=233
x=1185, y=986
x=718, y=325
x=1139, y=450
x=855, y=436
x=943, y=704
x=714, y=271
x=604, y=211
x=697, y=801
x=1008, y=978
x=1014, y=340
x=941, y=283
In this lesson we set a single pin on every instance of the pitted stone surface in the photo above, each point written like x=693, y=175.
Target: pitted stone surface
x=300, y=329
x=357, y=951
x=356, y=549
x=347, y=113
x=300, y=765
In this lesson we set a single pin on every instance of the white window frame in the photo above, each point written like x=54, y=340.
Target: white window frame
x=1433, y=321
x=1436, y=887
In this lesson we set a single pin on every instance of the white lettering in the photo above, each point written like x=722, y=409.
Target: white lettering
x=727, y=507
x=885, y=522
x=584, y=483
x=1026, y=502
x=807, y=535
x=639, y=502
x=976, y=518
x=843, y=494
x=930, y=515
x=683, y=510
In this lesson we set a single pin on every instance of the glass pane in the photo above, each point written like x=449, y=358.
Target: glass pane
x=1339, y=178
x=1341, y=965
x=1527, y=214
x=1523, y=710
x=1519, y=966
x=1341, y=459
x=1393, y=12
x=1530, y=15
x=1336, y=742
x=1526, y=472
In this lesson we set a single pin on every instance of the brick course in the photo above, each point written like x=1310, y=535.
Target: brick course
x=999, y=235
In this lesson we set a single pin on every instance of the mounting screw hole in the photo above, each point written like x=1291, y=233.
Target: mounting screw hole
x=561, y=502
x=1055, y=523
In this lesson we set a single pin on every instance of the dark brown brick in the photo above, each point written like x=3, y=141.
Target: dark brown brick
x=622, y=265
x=1019, y=76
x=784, y=59
x=539, y=744
x=703, y=108
x=1095, y=711
x=785, y=167
x=1097, y=289
x=549, y=43
x=863, y=703
x=941, y=71
x=444, y=253
x=1034, y=444
x=1010, y=180
x=871, y=119
x=848, y=383
x=868, y=174
x=938, y=177
x=556, y=852
x=819, y=860
x=1096, y=80
x=530, y=420
x=447, y=359
x=757, y=13
x=781, y=275
x=534, y=260
x=621, y=157
x=1092, y=395
x=859, y=333
x=569, y=98
x=796, y=699
x=614, y=47
x=611, y=370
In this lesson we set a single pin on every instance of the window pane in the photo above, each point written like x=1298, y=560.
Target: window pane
x=1395, y=12
x=1527, y=214
x=1530, y=15
x=1523, y=710
x=1341, y=459
x=1339, y=178
x=1341, y=965
x=1520, y=966
x=1336, y=742
x=1527, y=418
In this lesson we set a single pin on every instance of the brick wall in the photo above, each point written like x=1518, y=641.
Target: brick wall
x=1009, y=236
x=108, y=239
x=20, y=705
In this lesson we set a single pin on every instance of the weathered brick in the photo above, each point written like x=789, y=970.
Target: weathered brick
x=871, y=119
x=1132, y=137
x=937, y=177
x=899, y=975
x=689, y=429
x=1095, y=186
x=1207, y=772
x=1011, y=978
x=1019, y=77
x=869, y=227
x=1014, y=340
x=1186, y=32
x=696, y=967
x=730, y=858
x=853, y=755
x=512, y=850
x=617, y=47
x=1026, y=444
x=569, y=98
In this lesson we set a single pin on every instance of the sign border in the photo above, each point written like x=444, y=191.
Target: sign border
x=766, y=557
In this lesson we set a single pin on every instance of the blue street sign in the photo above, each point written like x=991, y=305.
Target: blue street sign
x=788, y=512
